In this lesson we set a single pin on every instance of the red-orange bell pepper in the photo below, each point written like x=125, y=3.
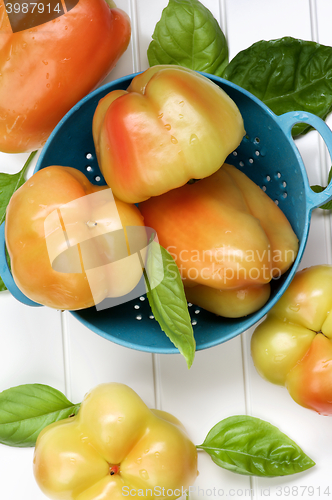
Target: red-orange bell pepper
x=171, y=125
x=292, y=346
x=46, y=69
x=228, y=238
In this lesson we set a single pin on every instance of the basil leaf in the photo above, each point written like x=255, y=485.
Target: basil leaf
x=9, y=183
x=168, y=301
x=319, y=189
x=250, y=446
x=188, y=35
x=287, y=74
x=26, y=409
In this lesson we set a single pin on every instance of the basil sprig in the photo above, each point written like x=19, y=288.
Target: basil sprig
x=188, y=35
x=250, y=446
x=287, y=74
x=9, y=183
x=26, y=409
x=168, y=301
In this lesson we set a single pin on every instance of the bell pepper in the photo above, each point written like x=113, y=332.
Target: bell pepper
x=49, y=67
x=172, y=124
x=115, y=447
x=293, y=345
x=226, y=236
x=68, y=240
x=234, y=303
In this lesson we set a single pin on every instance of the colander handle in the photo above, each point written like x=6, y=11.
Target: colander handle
x=287, y=121
x=6, y=274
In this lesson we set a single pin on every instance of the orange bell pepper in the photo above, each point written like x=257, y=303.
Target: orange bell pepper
x=293, y=345
x=48, y=68
x=171, y=125
x=68, y=240
x=228, y=238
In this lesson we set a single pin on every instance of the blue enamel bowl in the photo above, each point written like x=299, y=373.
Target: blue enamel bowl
x=267, y=154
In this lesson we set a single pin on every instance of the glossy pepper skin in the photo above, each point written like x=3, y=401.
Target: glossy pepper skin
x=62, y=233
x=171, y=125
x=226, y=236
x=293, y=346
x=113, y=446
x=47, y=69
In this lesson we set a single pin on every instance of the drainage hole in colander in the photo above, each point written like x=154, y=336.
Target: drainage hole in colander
x=284, y=184
x=97, y=178
x=88, y=156
x=234, y=153
x=276, y=202
x=142, y=298
x=284, y=195
x=268, y=178
x=278, y=175
x=88, y=168
x=256, y=140
x=264, y=188
x=251, y=160
x=257, y=153
x=241, y=163
x=139, y=317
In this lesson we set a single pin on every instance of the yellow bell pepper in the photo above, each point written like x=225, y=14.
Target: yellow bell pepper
x=115, y=447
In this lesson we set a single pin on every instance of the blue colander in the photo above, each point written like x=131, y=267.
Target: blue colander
x=267, y=155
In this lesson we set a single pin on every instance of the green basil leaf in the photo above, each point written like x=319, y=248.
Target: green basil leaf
x=188, y=35
x=9, y=183
x=250, y=446
x=319, y=189
x=168, y=301
x=287, y=74
x=26, y=409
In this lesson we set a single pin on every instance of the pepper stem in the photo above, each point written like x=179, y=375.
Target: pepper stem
x=114, y=469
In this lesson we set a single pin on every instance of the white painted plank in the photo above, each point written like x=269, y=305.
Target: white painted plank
x=17, y=480
x=31, y=352
x=249, y=22
x=95, y=360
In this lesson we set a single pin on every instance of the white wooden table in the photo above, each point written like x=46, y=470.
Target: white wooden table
x=47, y=346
